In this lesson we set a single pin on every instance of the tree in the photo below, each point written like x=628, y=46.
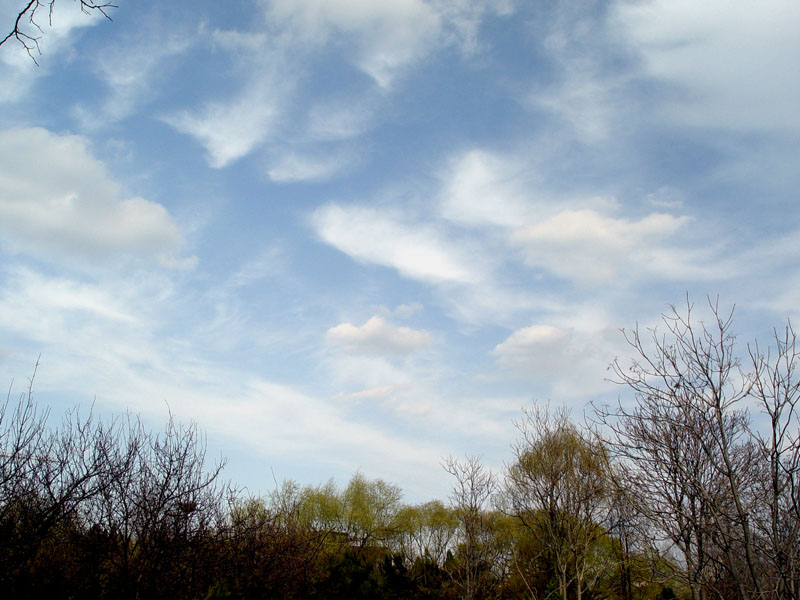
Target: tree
x=159, y=507
x=721, y=489
x=27, y=28
x=47, y=477
x=776, y=387
x=559, y=490
x=476, y=554
x=369, y=510
x=426, y=531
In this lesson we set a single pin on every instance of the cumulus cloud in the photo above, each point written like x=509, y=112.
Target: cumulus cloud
x=57, y=200
x=591, y=248
x=376, y=336
x=416, y=251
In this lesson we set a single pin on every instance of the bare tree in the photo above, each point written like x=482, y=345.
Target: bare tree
x=159, y=508
x=47, y=478
x=27, y=28
x=473, y=491
x=776, y=386
x=695, y=462
x=24, y=441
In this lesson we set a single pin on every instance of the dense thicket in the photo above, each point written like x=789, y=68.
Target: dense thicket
x=689, y=490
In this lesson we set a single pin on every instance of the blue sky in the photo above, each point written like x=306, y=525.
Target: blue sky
x=353, y=235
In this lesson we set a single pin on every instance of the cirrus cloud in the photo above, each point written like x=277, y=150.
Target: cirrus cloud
x=715, y=54
x=385, y=36
x=416, y=251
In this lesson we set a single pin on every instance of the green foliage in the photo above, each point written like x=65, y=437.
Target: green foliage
x=133, y=515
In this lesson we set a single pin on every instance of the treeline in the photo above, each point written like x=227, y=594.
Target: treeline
x=687, y=489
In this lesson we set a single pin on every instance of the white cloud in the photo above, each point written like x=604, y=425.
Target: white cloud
x=231, y=130
x=376, y=393
x=465, y=17
x=80, y=324
x=665, y=197
x=269, y=262
x=394, y=397
x=734, y=61
x=109, y=342
x=57, y=200
x=381, y=39
x=132, y=72
x=404, y=311
x=584, y=96
x=340, y=119
x=386, y=36
x=292, y=167
x=534, y=350
x=58, y=296
x=583, y=99
x=376, y=336
x=483, y=189
x=376, y=236
x=571, y=362
x=590, y=248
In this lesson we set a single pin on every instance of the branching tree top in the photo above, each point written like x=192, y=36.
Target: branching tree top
x=27, y=28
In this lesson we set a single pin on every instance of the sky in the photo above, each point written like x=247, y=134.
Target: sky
x=349, y=235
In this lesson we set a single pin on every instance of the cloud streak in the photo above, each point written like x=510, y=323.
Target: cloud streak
x=376, y=236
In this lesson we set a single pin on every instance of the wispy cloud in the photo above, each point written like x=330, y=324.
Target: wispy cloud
x=273, y=63
x=384, y=36
x=380, y=237
x=134, y=72
x=291, y=166
x=715, y=65
x=230, y=130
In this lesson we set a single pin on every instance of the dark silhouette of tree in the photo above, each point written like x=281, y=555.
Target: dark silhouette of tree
x=721, y=488
x=27, y=26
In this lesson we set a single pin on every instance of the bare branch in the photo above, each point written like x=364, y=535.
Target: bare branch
x=27, y=29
